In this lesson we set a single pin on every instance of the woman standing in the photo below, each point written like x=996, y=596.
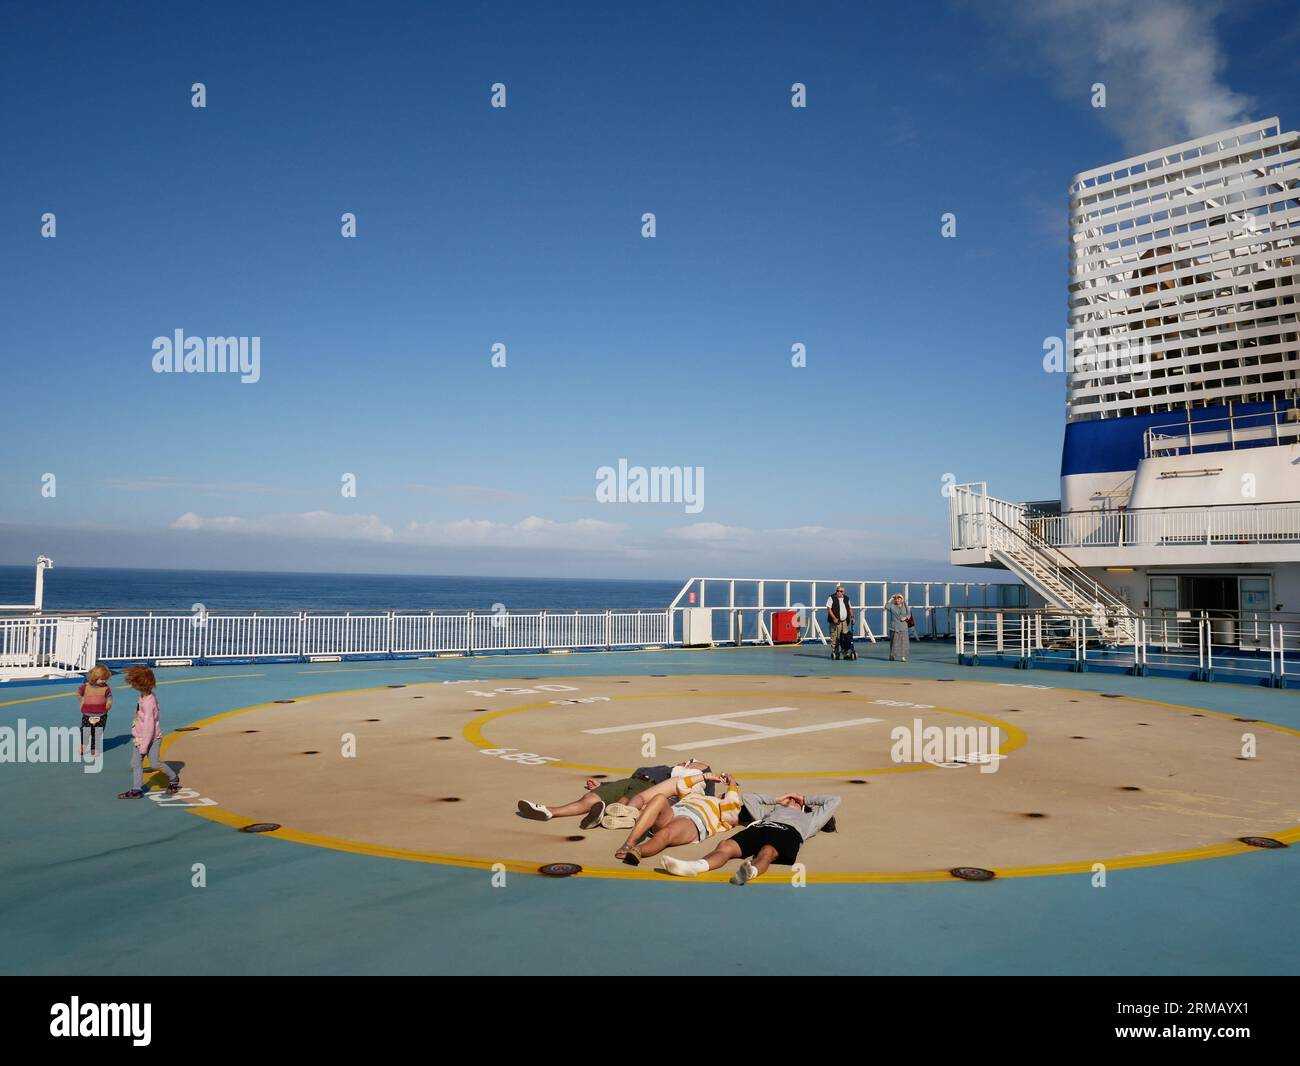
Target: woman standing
x=899, y=616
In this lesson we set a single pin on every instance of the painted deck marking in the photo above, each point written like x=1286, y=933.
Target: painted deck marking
x=727, y=721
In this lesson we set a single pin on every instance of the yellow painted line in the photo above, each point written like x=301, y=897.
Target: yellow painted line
x=646, y=873
x=73, y=680
x=216, y=813
x=473, y=732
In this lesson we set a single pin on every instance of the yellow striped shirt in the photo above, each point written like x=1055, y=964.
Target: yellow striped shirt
x=718, y=813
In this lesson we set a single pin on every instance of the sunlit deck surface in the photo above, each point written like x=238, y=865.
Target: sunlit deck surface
x=384, y=862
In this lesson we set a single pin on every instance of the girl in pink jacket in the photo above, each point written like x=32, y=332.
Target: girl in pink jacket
x=146, y=734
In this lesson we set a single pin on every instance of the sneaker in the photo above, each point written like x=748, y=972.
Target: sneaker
x=132, y=794
x=678, y=867
x=536, y=811
x=592, y=818
x=619, y=816
x=745, y=874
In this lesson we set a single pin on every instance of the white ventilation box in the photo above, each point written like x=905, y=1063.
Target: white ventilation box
x=697, y=626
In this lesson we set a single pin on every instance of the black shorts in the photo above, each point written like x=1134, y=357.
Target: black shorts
x=785, y=839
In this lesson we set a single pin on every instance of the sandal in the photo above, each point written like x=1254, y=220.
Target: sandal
x=630, y=854
x=174, y=786
x=130, y=794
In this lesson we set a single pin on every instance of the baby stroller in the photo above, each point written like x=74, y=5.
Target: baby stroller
x=843, y=647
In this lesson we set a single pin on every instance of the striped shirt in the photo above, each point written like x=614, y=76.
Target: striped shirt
x=716, y=812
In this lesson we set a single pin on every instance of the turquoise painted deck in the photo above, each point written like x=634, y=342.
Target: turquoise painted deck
x=89, y=884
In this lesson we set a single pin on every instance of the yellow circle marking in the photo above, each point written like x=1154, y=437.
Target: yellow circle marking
x=1290, y=835
x=473, y=731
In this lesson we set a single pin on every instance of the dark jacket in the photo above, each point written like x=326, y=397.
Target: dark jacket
x=832, y=604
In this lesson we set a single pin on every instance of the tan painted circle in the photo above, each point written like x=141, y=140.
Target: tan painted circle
x=1069, y=757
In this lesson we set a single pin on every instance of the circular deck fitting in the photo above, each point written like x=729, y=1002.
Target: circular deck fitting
x=285, y=701
x=954, y=774
x=972, y=873
x=559, y=869
x=1262, y=842
x=187, y=729
x=395, y=686
x=259, y=827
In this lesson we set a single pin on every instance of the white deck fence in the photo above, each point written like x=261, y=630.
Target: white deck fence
x=738, y=612
x=1261, y=647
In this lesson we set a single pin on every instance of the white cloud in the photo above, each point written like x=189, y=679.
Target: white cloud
x=1160, y=61
x=531, y=532
x=307, y=524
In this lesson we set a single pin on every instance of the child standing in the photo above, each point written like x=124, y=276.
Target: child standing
x=96, y=702
x=146, y=734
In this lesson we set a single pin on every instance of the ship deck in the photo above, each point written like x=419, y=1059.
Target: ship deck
x=398, y=848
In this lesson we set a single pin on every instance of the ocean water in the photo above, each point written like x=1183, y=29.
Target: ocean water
x=70, y=588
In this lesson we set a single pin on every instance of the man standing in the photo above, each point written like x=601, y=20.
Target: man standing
x=779, y=828
x=839, y=618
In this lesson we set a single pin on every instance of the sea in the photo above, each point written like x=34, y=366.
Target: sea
x=72, y=588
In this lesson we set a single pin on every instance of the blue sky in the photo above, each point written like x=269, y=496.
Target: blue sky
x=522, y=225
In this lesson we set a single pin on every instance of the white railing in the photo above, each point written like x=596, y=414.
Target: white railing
x=1257, y=647
x=150, y=637
x=975, y=518
x=35, y=645
x=742, y=606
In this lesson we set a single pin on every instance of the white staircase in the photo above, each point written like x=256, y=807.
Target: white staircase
x=1002, y=530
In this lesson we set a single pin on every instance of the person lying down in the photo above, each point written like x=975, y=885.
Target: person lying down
x=616, y=804
x=693, y=815
x=778, y=827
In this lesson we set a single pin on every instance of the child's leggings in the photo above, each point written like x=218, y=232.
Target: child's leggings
x=92, y=736
x=137, y=764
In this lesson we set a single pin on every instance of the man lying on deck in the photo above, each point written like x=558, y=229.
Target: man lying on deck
x=694, y=817
x=632, y=792
x=780, y=826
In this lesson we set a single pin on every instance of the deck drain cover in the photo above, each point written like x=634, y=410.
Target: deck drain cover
x=396, y=686
x=1130, y=788
x=311, y=752
x=575, y=838
x=857, y=781
x=1262, y=842
x=372, y=719
x=187, y=729
x=283, y=701
x=442, y=738
x=1245, y=719
x=260, y=827
x=250, y=730
x=1111, y=696
x=450, y=799
x=559, y=869
x=972, y=873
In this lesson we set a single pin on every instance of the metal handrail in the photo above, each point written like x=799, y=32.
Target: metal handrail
x=1100, y=594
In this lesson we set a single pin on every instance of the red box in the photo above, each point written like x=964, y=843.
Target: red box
x=784, y=631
